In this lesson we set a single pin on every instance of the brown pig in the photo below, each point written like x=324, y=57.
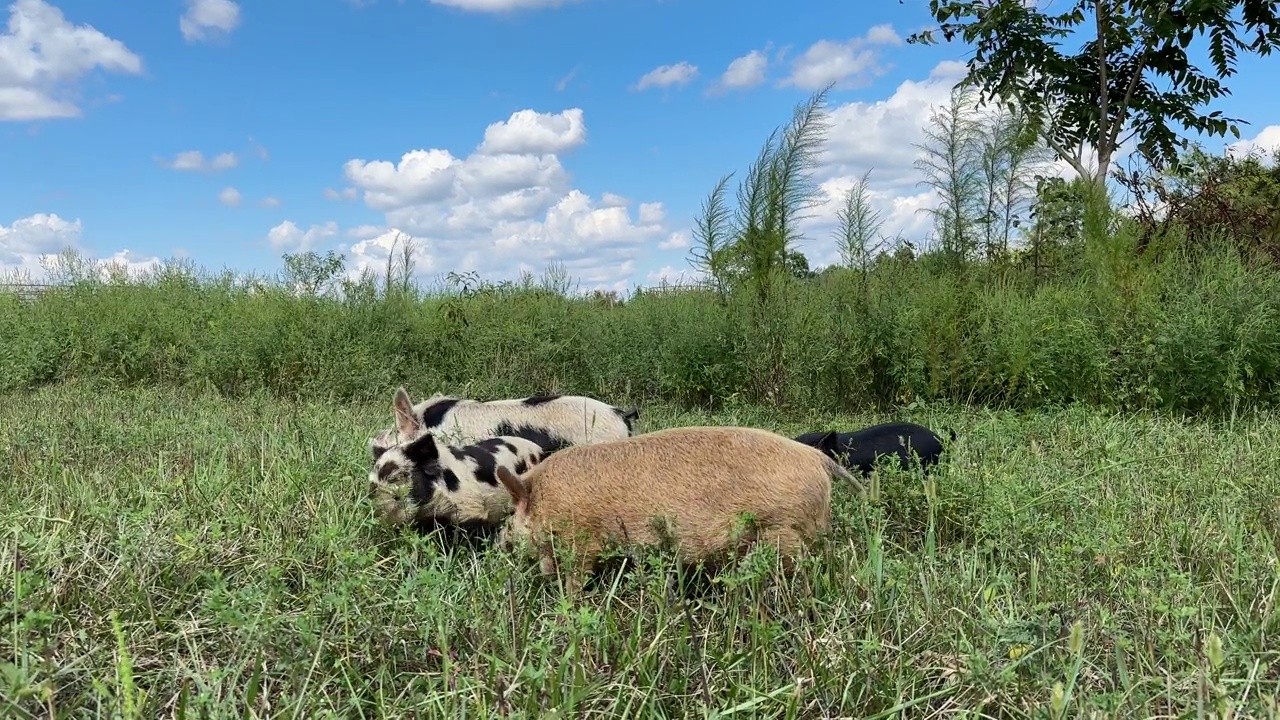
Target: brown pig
x=700, y=480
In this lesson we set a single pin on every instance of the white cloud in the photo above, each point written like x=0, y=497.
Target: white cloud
x=129, y=263
x=269, y=202
x=668, y=275
x=195, y=161
x=223, y=161
x=745, y=72
x=675, y=241
x=288, y=237
x=651, y=213
x=530, y=132
x=208, y=19
x=1267, y=141
x=575, y=227
x=230, y=197
x=42, y=56
x=879, y=136
x=848, y=64
x=883, y=34
x=420, y=176
x=348, y=193
x=30, y=248
x=376, y=247
x=500, y=213
x=35, y=236
x=665, y=76
x=364, y=232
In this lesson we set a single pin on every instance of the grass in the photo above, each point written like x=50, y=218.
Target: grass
x=177, y=554
x=1185, y=334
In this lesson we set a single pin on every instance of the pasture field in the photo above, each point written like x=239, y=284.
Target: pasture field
x=174, y=554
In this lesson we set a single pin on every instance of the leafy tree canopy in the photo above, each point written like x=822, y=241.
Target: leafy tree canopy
x=1134, y=74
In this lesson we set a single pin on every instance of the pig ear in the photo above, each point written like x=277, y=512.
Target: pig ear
x=422, y=450
x=378, y=444
x=509, y=480
x=828, y=442
x=402, y=408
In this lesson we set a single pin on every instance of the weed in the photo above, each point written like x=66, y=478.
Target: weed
x=180, y=553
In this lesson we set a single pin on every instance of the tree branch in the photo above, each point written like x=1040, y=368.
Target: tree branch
x=1140, y=66
x=1104, y=92
x=1061, y=151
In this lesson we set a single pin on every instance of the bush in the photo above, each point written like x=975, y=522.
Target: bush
x=1175, y=335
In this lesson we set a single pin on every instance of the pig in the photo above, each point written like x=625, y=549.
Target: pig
x=858, y=450
x=699, y=479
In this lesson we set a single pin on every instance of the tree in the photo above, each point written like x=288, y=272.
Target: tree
x=755, y=243
x=951, y=166
x=858, y=226
x=310, y=273
x=1011, y=156
x=734, y=264
x=778, y=189
x=399, y=275
x=713, y=229
x=1058, y=225
x=1236, y=198
x=1114, y=81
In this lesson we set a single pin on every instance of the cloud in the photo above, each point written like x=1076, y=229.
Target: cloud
x=530, y=132
x=883, y=34
x=364, y=232
x=31, y=246
x=848, y=64
x=1266, y=142
x=563, y=82
x=195, y=161
x=421, y=176
x=745, y=72
x=348, y=193
x=651, y=213
x=208, y=19
x=230, y=197
x=128, y=263
x=269, y=202
x=509, y=205
x=879, y=136
x=42, y=56
x=259, y=150
x=288, y=237
x=665, y=76
x=668, y=275
x=576, y=228
x=676, y=241
x=35, y=236
x=372, y=251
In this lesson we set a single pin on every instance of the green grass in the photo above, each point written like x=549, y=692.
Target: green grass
x=167, y=554
x=1197, y=334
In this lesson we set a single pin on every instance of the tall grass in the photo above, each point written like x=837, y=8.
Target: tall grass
x=216, y=558
x=1173, y=334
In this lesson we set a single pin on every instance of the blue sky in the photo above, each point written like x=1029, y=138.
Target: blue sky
x=501, y=134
